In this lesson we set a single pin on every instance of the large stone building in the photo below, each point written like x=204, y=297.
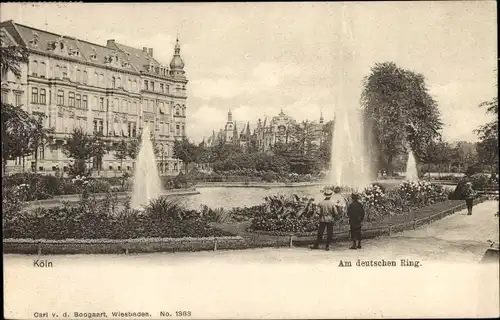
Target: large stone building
x=266, y=134
x=114, y=89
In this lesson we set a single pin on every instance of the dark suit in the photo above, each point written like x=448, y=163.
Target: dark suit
x=356, y=214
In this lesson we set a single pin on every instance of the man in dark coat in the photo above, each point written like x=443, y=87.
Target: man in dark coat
x=356, y=214
x=469, y=196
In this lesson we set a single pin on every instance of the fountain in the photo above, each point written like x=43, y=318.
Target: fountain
x=147, y=183
x=411, y=168
x=349, y=165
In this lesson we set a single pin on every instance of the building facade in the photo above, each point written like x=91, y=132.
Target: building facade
x=268, y=133
x=114, y=89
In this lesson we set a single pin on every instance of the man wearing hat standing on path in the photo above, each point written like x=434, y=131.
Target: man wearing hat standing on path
x=470, y=195
x=327, y=214
x=356, y=214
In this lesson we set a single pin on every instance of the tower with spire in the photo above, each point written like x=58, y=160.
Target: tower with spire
x=177, y=64
x=230, y=132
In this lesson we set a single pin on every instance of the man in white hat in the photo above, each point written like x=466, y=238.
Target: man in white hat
x=327, y=214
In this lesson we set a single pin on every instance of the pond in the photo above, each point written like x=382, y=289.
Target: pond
x=230, y=197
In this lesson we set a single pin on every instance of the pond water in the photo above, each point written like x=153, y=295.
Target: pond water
x=230, y=197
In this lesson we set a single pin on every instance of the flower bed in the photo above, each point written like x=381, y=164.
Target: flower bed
x=96, y=219
x=297, y=215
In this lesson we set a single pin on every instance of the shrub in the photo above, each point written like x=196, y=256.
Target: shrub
x=294, y=214
x=92, y=219
x=180, y=181
x=98, y=186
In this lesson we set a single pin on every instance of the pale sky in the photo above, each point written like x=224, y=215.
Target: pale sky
x=258, y=58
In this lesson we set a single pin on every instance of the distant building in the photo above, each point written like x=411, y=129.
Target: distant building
x=114, y=89
x=266, y=135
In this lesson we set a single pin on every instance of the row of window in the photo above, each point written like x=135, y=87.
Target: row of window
x=61, y=72
x=150, y=86
x=18, y=96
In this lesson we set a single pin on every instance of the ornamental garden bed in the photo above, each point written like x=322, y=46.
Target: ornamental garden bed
x=101, y=226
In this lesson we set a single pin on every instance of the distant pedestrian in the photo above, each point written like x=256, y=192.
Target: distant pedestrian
x=356, y=214
x=470, y=195
x=327, y=215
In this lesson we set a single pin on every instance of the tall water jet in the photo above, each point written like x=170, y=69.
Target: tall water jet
x=147, y=183
x=411, y=168
x=349, y=162
x=350, y=167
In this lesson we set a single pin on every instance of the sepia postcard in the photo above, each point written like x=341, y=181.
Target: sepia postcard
x=256, y=160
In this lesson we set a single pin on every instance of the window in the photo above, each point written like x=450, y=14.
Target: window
x=43, y=96
x=101, y=127
x=42, y=70
x=19, y=99
x=119, y=82
x=152, y=86
x=34, y=68
x=85, y=77
x=183, y=130
x=146, y=85
x=84, y=102
x=78, y=75
x=58, y=72
x=129, y=87
x=78, y=101
x=101, y=79
x=162, y=88
x=4, y=96
x=60, y=98
x=96, y=78
x=134, y=111
x=135, y=85
x=65, y=72
x=71, y=99
x=177, y=130
x=177, y=112
x=166, y=88
x=34, y=95
x=101, y=104
x=113, y=82
x=41, y=153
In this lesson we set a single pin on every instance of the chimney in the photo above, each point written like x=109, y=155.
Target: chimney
x=145, y=49
x=150, y=51
x=110, y=43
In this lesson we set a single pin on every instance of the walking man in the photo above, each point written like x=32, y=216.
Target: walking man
x=327, y=215
x=356, y=214
x=470, y=194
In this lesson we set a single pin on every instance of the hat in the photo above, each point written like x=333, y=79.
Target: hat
x=468, y=183
x=328, y=192
x=355, y=196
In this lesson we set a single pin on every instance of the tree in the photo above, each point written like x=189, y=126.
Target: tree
x=325, y=149
x=82, y=147
x=22, y=134
x=121, y=151
x=186, y=151
x=487, y=147
x=11, y=57
x=302, y=135
x=400, y=112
